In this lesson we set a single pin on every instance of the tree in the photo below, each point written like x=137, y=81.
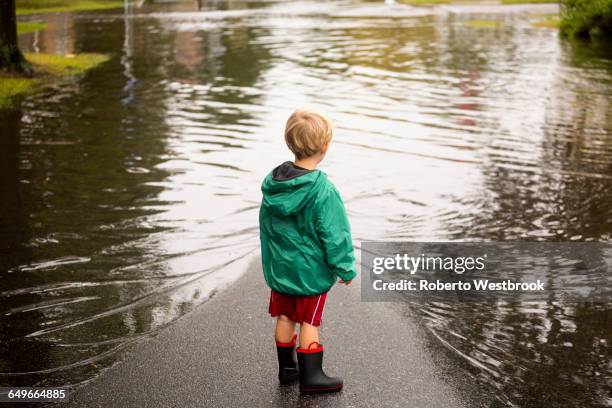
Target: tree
x=586, y=18
x=11, y=58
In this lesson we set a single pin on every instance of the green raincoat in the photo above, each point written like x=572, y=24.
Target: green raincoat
x=305, y=235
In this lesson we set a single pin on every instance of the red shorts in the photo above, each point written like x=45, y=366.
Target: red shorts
x=301, y=309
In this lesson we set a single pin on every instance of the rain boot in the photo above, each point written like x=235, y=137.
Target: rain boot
x=312, y=378
x=287, y=366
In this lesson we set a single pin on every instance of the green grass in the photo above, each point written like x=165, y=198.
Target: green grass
x=434, y=2
x=29, y=27
x=528, y=1
x=482, y=23
x=59, y=65
x=13, y=88
x=56, y=6
x=46, y=66
x=547, y=20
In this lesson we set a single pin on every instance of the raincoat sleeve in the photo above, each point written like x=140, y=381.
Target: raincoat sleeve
x=335, y=235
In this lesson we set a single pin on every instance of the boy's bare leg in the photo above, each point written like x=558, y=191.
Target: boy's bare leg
x=308, y=334
x=285, y=328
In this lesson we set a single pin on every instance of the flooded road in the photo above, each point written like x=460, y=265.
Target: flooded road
x=131, y=196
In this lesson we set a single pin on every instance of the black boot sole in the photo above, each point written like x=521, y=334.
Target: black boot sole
x=320, y=390
x=289, y=380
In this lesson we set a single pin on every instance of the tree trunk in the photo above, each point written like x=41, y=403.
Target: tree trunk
x=11, y=58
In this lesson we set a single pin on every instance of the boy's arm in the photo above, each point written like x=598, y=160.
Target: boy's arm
x=335, y=235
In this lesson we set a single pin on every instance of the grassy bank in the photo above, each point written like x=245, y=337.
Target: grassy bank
x=47, y=67
x=58, y=65
x=29, y=27
x=434, y=2
x=12, y=89
x=25, y=7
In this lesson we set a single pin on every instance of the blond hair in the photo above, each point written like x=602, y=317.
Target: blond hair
x=307, y=132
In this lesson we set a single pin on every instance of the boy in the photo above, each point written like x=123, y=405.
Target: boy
x=306, y=247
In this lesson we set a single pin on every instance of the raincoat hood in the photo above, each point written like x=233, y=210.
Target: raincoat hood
x=288, y=188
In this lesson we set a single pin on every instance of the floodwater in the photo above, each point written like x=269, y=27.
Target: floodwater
x=130, y=196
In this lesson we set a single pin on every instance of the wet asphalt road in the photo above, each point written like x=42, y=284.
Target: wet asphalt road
x=222, y=355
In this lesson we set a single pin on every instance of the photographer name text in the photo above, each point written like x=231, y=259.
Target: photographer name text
x=476, y=284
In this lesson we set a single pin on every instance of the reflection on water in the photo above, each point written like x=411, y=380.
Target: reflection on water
x=131, y=196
